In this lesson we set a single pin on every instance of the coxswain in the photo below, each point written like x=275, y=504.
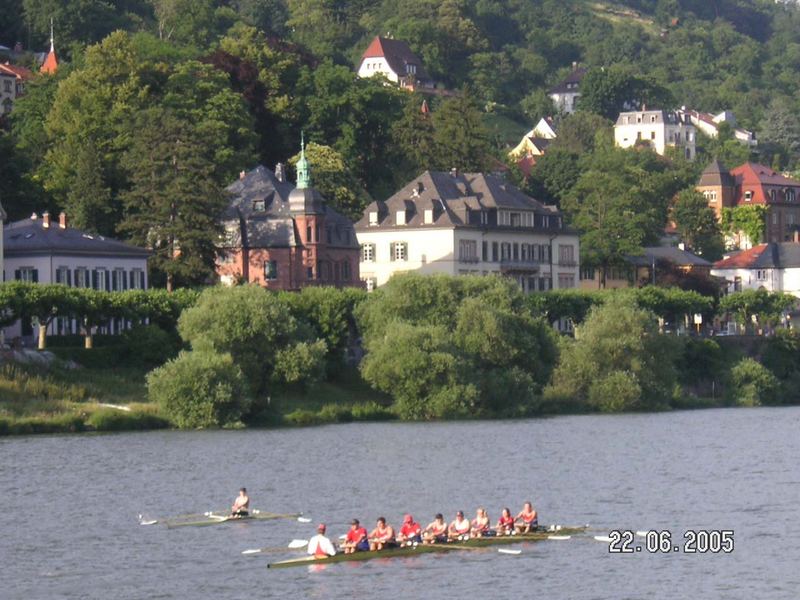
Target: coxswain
x=436, y=531
x=410, y=531
x=320, y=546
x=356, y=538
x=241, y=506
x=382, y=536
x=481, y=525
x=505, y=524
x=528, y=519
x=459, y=526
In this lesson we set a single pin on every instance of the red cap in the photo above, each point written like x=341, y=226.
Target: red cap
x=321, y=527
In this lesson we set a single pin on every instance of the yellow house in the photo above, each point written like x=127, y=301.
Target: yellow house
x=535, y=142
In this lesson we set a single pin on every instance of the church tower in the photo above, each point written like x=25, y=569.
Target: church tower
x=50, y=64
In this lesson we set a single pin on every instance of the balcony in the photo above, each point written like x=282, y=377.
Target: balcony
x=519, y=266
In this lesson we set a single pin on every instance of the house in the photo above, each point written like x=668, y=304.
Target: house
x=660, y=129
x=395, y=60
x=752, y=184
x=12, y=85
x=774, y=267
x=467, y=224
x=42, y=250
x=709, y=125
x=566, y=93
x=643, y=269
x=285, y=237
x=535, y=142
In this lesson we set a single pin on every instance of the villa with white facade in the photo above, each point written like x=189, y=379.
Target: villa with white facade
x=659, y=129
x=467, y=224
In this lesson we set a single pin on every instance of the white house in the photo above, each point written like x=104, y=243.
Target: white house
x=658, y=128
x=12, y=85
x=774, y=267
x=565, y=95
x=394, y=60
x=467, y=224
x=709, y=125
x=42, y=250
x=535, y=142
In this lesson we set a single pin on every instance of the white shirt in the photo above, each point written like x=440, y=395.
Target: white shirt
x=322, y=543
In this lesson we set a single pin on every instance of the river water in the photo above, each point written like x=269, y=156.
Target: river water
x=68, y=507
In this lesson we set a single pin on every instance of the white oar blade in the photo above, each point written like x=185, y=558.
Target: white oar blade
x=298, y=544
x=150, y=522
x=602, y=538
x=559, y=537
x=303, y=520
x=252, y=551
x=507, y=551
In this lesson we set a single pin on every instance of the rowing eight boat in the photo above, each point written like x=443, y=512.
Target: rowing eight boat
x=471, y=544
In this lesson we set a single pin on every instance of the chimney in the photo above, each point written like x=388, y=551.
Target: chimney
x=34, y=216
x=45, y=219
x=454, y=172
x=62, y=220
x=280, y=172
x=242, y=174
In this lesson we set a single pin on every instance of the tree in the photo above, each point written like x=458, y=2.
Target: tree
x=413, y=133
x=697, y=225
x=44, y=302
x=780, y=129
x=461, y=140
x=750, y=220
x=200, y=389
x=88, y=201
x=752, y=384
x=607, y=91
x=765, y=307
x=173, y=204
x=581, y=132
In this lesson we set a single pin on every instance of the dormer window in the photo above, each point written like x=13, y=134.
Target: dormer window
x=400, y=217
x=428, y=216
x=772, y=195
x=748, y=195
x=259, y=205
x=373, y=218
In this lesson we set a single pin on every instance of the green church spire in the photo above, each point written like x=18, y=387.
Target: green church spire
x=303, y=170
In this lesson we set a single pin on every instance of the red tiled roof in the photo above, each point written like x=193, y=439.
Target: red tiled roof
x=746, y=259
x=754, y=173
x=50, y=64
x=19, y=72
x=397, y=53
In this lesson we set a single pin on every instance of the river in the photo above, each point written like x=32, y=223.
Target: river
x=68, y=507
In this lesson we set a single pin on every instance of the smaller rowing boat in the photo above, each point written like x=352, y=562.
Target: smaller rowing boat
x=414, y=550
x=216, y=518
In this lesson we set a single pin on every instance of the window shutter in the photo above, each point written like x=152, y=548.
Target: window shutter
x=58, y=276
x=131, y=283
x=94, y=279
x=405, y=250
x=391, y=251
x=69, y=277
x=123, y=281
x=108, y=281
x=36, y=276
x=141, y=280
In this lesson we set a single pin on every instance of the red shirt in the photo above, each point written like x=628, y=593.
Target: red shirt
x=356, y=535
x=506, y=522
x=410, y=529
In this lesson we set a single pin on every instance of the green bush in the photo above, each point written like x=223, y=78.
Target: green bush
x=110, y=419
x=335, y=413
x=372, y=411
x=615, y=392
x=64, y=423
x=301, y=417
x=94, y=358
x=149, y=345
x=200, y=389
x=752, y=384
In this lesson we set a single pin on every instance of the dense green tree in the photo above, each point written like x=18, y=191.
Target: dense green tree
x=461, y=140
x=608, y=91
x=413, y=133
x=753, y=308
x=697, y=225
x=750, y=220
x=752, y=384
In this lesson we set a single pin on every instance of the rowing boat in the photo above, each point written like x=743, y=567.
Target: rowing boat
x=470, y=544
x=212, y=518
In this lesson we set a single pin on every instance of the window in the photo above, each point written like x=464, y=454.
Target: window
x=505, y=251
x=566, y=281
x=524, y=252
x=373, y=218
x=308, y=233
x=761, y=274
x=468, y=251
x=398, y=251
x=27, y=274
x=137, y=279
x=100, y=279
x=711, y=195
x=515, y=251
x=400, y=217
x=428, y=216
x=484, y=217
x=62, y=276
x=346, y=270
x=259, y=205
x=748, y=195
x=81, y=277
x=495, y=254
x=587, y=274
x=329, y=234
x=775, y=218
x=515, y=219
x=367, y=252
x=790, y=218
x=772, y=195
x=790, y=196
x=310, y=272
x=485, y=251
x=118, y=280
x=652, y=135
x=566, y=255
x=652, y=119
x=270, y=269
x=371, y=282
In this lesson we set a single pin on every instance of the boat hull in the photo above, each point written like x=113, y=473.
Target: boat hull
x=471, y=544
x=206, y=521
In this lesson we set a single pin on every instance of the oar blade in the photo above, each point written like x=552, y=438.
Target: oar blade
x=303, y=520
x=509, y=551
x=294, y=544
x=252, y=551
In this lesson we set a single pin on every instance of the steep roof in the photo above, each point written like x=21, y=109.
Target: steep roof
x=50, y=64
x=30, y=236
x=781, y=255
x=259, y=214
x=715, y=174
x=451, y=197
x=670, y=117
x=675, y=255
x=398, y=54
x=571, y=83
x=16, y=71
x=754, y=173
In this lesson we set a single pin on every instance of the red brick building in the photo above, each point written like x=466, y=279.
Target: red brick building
x=285, y=237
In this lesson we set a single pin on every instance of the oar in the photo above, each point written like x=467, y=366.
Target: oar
x=143, y=521
x=294, y=545
x=509, y=551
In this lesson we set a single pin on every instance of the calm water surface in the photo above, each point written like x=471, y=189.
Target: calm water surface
x=68, y=507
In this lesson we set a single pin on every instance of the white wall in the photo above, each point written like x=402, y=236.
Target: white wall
x=373, y=66
x=565, y=102
x=658, y=135
x=774, y=279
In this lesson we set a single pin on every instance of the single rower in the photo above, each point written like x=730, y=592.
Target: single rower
x=528, y=519
x=320, y=546
x=505, y=524
x=410, y=531
x=241, y=506
x=382, y=536
x=356, y=539
x=459, y=526
x=436, y=531
x=481, y=525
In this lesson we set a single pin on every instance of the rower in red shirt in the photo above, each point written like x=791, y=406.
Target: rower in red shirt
x=382, y=536
x=505, y=524
x=410, y=531
x=356, y=539
x=528, y=519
